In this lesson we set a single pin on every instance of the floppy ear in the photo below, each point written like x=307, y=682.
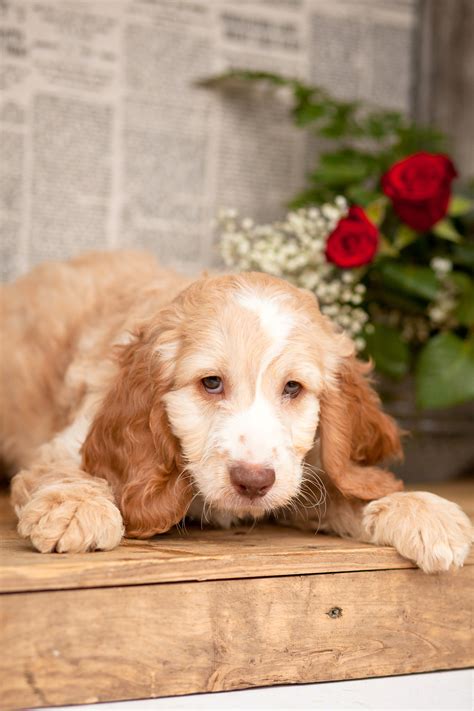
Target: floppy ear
x=356, y=434
x=131, y=445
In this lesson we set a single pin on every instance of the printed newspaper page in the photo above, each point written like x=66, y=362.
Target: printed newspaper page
x=107, y=141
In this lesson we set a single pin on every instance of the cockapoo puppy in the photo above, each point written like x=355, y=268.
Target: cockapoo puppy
x=134, y=397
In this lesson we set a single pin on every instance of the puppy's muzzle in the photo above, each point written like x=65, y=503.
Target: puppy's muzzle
x=251, y=480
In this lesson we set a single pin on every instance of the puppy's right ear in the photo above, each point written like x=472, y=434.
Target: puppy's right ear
x=131, y=444
x=356, y=434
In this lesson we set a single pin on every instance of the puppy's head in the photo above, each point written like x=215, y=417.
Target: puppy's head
x=224, y=393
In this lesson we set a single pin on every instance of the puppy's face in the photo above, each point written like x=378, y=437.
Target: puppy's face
x=249, y=359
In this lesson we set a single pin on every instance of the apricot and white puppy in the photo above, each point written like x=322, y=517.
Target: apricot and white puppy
x=233, y=397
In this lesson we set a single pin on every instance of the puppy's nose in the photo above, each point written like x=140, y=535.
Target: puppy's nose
x=251, y=480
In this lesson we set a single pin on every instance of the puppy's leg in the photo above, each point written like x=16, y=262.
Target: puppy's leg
x=427, y=529
x=60, y=507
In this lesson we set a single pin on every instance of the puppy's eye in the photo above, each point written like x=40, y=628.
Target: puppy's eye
x=292, y=389
x=213, y=384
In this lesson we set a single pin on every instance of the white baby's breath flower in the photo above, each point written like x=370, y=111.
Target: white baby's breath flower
x=330, y=212
x=441, y=311
x=295, y=249
x=441, y=265
x=330, y=310
x=436, y=314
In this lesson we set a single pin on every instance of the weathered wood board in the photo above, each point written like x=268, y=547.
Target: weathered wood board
x=218, y=610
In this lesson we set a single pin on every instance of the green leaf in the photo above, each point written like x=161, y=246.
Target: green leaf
x=463, y=254
x=460, y=205
x=336, y=176
x=464, y=286
x=445, y=372
x=413, y=138
x=361, y=196
x=341, y=120
x=410, y=279
x=379, y=124
x=386, y=248
x=404, y=236
x=343, y=167
x=394, y=299
x=464, y=311
x=461, y=281
x=313, y=196
x=376, y=210
x=306, y=113
x=446, y=230
x=390, y=353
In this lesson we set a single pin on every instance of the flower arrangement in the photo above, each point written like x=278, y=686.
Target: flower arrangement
x=382, y=241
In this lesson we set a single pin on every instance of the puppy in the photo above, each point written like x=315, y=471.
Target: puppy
x=134, y=397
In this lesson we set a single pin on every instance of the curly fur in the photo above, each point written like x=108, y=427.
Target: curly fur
x=109, y=425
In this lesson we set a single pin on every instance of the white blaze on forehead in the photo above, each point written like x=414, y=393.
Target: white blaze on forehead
x=255, y=434
x=276, y=322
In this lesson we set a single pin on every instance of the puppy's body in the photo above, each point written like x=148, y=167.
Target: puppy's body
x=108, y=415
x=59, y=324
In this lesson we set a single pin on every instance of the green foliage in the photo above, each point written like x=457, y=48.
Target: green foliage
x=463, y=255
x=445, y=371
x=349, y=169
x=446, y=230
x=360, y=143
x=390, y=354
x=459, y=206
x=464, y=312
x=376, y=210
x=408, y=279
x=403, y=237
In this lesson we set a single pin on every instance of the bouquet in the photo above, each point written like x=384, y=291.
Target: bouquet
x=395, y=274
x=379, y=235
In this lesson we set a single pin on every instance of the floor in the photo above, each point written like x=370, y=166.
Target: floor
x=438, y=691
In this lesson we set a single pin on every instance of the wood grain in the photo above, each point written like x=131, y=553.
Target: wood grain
x=108, y=626
x=82, y=646
x=197, y=555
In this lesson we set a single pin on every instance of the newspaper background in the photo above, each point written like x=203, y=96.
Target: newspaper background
x=107, y=142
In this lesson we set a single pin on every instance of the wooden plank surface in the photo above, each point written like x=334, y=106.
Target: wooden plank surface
x=82, y=646
x=197, y=555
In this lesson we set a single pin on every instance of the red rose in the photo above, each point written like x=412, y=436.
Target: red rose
x=420, y=187
x=354, y=241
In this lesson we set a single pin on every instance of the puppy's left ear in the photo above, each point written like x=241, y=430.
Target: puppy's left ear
x=356, y=434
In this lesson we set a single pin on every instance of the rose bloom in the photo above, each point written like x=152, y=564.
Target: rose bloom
x=354, y=242
x=420, y=188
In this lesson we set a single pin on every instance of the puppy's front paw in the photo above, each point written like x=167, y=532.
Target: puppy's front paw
x=433, y=532
x=71, y=518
